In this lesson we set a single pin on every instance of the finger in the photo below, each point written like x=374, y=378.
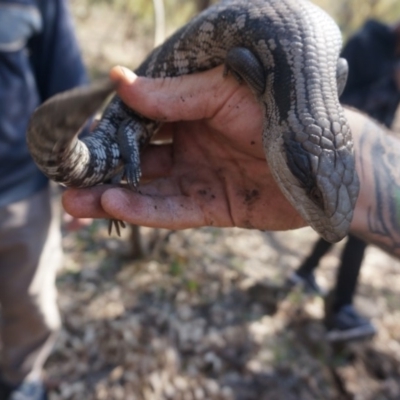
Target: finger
x=85, y=203
x=189, y=97
x=169, y=212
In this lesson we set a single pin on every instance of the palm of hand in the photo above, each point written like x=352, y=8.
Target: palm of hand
x=213, y=173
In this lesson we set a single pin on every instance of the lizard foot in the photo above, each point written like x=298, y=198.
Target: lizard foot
x=131, y=137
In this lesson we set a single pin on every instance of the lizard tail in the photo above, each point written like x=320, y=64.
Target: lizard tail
x=52, y=136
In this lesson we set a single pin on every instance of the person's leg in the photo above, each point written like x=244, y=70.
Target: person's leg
x=349, y=270
x=342, y=319
x=311, y=262
x=30, y=254
x=304, y=275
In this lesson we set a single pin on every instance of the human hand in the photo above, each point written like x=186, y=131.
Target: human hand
x=213, y=173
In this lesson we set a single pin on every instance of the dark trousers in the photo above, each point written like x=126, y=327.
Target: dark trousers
x=348, y=272
x=30, y=255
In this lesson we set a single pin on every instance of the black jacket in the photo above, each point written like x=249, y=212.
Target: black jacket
x=39, y=57
x=370, y=54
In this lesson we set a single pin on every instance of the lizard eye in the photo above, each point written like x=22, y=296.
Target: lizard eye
x=316, y=196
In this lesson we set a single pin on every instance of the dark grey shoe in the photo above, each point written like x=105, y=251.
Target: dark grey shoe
x=347, y=324
x=5, y=390
x=307, y=282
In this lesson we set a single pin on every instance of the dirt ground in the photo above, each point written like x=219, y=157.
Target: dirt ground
x=207, y=314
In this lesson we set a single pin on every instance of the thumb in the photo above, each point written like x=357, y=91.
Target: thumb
x=189, y=97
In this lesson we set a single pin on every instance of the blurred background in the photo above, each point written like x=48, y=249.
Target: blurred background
x=206, y=314
x=123, y=31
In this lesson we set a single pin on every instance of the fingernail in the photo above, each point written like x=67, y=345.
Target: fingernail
x=122, y=73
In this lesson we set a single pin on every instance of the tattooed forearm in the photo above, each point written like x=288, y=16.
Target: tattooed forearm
x=377, y=218
x=383, y=218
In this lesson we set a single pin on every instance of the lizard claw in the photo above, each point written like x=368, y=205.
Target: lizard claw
x=117, y=224
x=132, y=174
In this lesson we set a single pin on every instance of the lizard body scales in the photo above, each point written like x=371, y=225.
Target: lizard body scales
x=287, y=51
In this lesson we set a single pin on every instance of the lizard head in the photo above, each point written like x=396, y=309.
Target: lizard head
x=319, y=179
